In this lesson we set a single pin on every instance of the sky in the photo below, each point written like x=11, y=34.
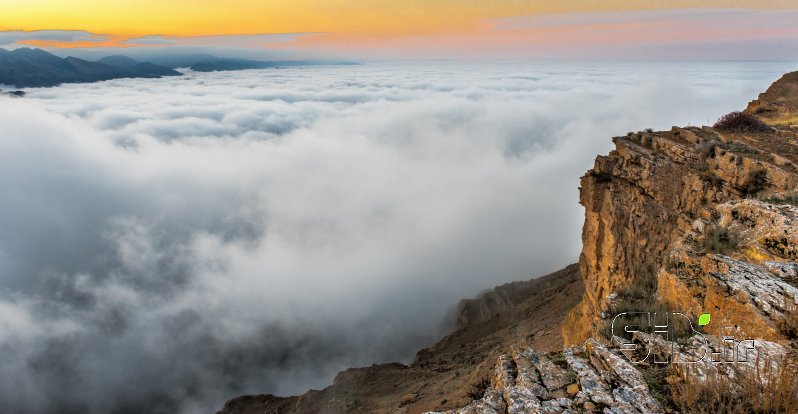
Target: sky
x=382, y=29
x=169, y=244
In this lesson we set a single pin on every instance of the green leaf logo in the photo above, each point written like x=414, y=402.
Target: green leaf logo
x=703, y=319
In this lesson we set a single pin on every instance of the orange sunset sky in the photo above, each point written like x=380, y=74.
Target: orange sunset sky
x=395, y=28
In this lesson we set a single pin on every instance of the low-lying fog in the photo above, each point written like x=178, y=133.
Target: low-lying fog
x=168, y=244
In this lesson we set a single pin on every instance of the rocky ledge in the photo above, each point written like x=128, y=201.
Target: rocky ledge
x=645, y=201
x=598, y=378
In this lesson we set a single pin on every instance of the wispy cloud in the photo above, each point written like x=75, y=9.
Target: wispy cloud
x=82, y=39
x=152, y=40
x=231, y=41
x=16, y=38
x=664, y=34
x=653, y=19
x=656, y=27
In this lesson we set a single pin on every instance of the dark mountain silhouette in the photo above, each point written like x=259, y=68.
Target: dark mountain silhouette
x=119, y=61
x=143, y=69
x=28, y=67
x=241, y=64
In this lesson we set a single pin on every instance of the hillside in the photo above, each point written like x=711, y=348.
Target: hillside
x=683, y=222
x=442, y=375
x=26, y=67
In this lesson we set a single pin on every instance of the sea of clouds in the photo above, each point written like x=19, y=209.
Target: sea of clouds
x=168, y=244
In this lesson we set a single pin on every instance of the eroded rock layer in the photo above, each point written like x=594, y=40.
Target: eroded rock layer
x=647, y=194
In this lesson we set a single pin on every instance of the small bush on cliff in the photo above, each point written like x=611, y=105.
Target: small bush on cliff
x=712, y=179
x=719, y=240
x=740, y=122
x=788, y=325
x=477, y=390
x=756, y=182
x=640, y=296
x=643, y=287
x=558, y=358
x=708, y=149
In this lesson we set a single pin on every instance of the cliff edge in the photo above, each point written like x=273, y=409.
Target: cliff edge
x=690, y=238
x=647, y=202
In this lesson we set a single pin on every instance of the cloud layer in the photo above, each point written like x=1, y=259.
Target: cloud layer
x=168, y=244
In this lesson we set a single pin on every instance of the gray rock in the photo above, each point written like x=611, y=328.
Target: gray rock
x=553, y=376
x=589, y=380
x=766, y=291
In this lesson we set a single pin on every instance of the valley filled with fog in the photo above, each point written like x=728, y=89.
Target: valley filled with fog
x=168, y=244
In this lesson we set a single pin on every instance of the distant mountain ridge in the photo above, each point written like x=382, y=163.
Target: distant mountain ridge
x=219, y=64
x=136, y=66
x=26, y=67
x=202, y=62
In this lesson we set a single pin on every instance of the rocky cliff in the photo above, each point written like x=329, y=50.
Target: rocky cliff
x=647, y=201
x=684, y=222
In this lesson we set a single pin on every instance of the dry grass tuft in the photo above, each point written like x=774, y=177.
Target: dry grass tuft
x=477, y=390
x=757, y=181
x=719, y=240
x=769, y=392
x=788, y=325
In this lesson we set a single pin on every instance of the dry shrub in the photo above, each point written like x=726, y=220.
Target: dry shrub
x=639, y=296
x=756, y=182
x=788, y=324
x=772, y=391
x=741, y=122
x=477, y=390
x=712, y=179
x=719, y=240
x=791, y=199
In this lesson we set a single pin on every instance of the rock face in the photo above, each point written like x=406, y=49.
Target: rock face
x=751, y=288
x=646, y=195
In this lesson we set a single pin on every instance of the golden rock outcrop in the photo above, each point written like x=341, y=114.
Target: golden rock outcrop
x=646, y=201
